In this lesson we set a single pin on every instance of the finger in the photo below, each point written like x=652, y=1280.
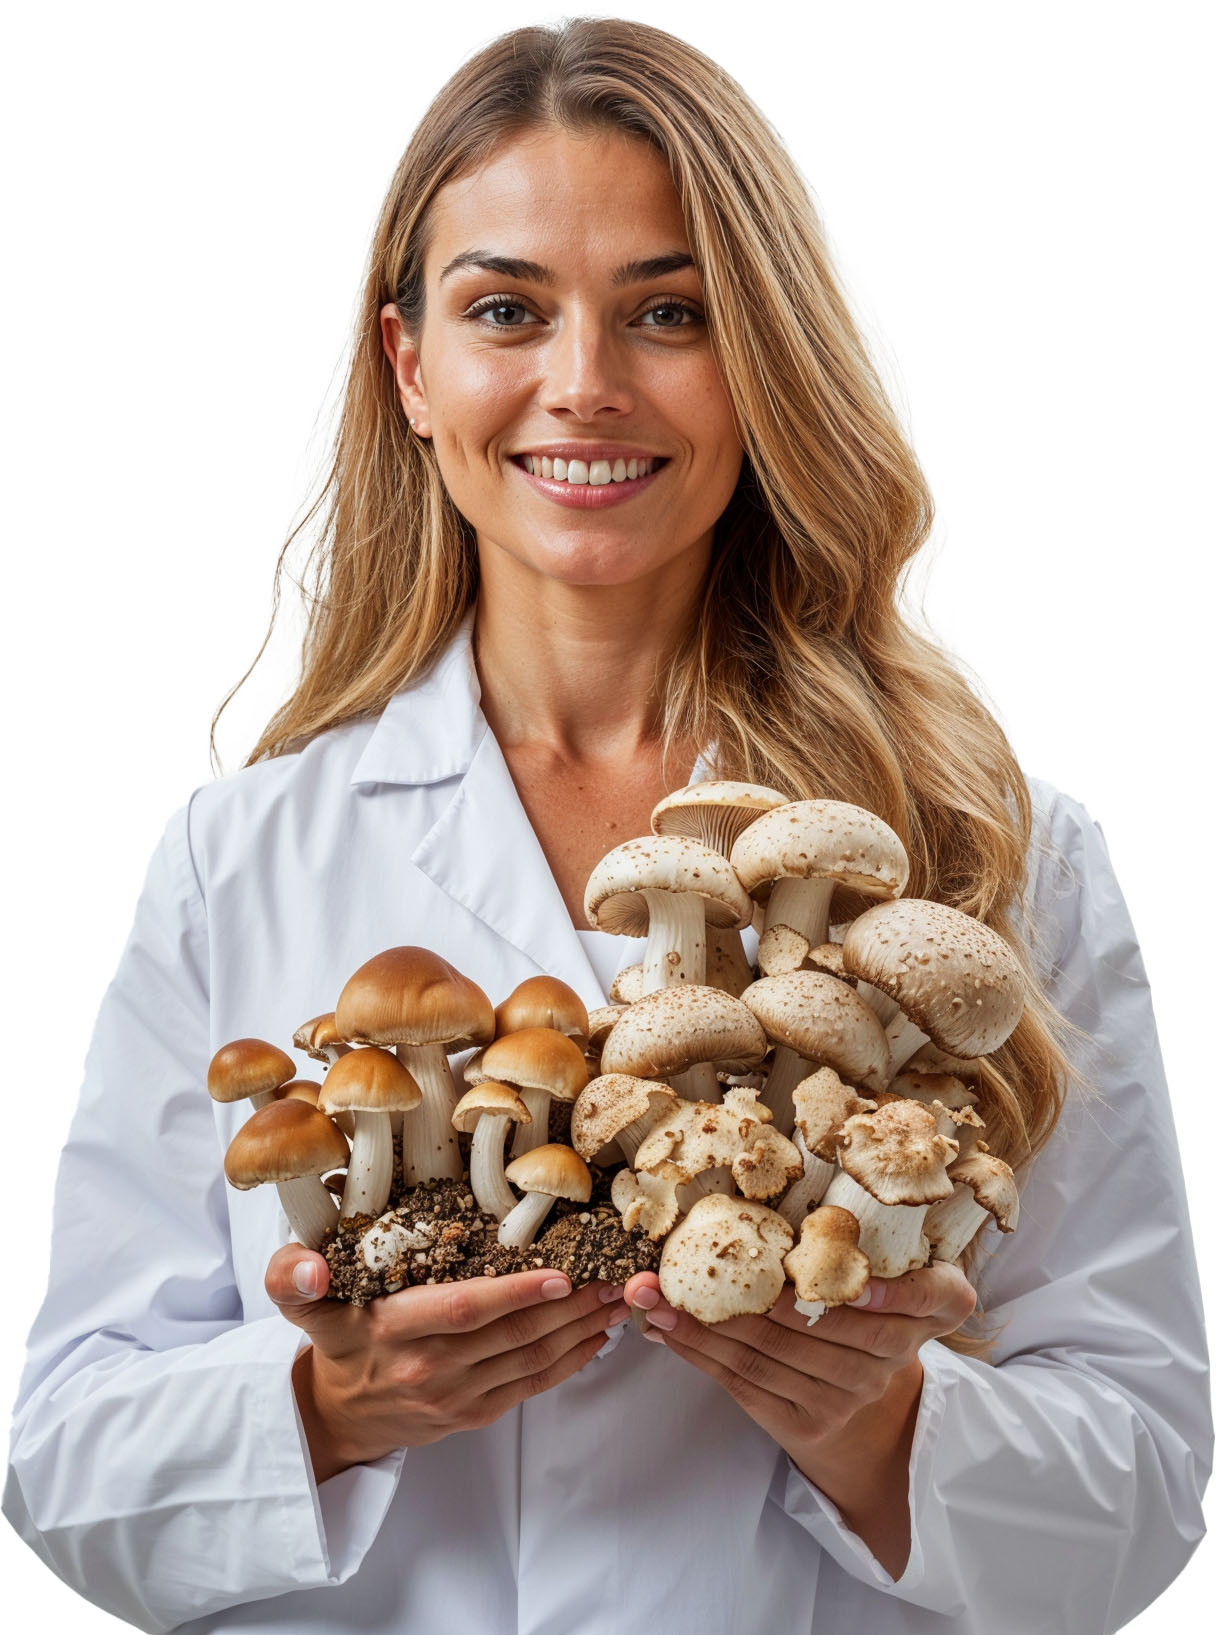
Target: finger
x=774, y=1411
x=940, y=1293
x=778, y=1359
x=529, y=1324
x=539, y=1354
x=496, y=1402
x=648, y=1281
x=469, y=1305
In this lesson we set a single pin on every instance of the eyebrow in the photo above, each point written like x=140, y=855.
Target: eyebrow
x=630, y=272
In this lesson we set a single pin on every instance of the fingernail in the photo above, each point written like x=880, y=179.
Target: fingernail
x=871, y=1296
x=663, y=1319
x=654, y=1335
x=610, y=1292
x=647, y=1298
x=305, y=1278
x=555, y=1288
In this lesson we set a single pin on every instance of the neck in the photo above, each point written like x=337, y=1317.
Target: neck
x=578, y=669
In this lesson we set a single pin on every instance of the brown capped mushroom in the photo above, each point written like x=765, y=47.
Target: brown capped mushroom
x=825, y=1266
x=248, y=1070
x=487, y=1109
x=291, y=1144
x=543, y=1175
x=371, y=1084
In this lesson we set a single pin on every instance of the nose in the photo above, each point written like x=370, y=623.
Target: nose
x=585, y=371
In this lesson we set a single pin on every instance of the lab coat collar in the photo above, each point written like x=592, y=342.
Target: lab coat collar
x=430, y=731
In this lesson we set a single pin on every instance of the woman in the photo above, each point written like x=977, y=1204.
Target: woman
x=595, y=254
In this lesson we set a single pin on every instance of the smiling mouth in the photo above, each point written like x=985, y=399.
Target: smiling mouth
x=588, y=473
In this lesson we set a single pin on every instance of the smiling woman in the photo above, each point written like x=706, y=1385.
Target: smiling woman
x=617, y=502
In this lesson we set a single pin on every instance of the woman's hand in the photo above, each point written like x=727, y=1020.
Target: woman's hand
x=840, y=1396
x=415, y=1366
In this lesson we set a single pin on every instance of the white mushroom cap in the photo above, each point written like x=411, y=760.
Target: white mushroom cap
x=670, y=863
x=768, y=1166
x=992, y=1182
x=645, y=1201
x=950, y=974
x=821, y=839
x=896, y=1154
x=666, y=1032
x=724, y=1259
x=715, y=812
x=822, y=1020
x=826, y=1266
x=612, y=1104
x=822, y=1105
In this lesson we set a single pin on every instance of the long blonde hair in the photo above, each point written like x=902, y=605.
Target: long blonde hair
x=801, y=669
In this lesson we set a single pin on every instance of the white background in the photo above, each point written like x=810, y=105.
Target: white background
x=1018, y=200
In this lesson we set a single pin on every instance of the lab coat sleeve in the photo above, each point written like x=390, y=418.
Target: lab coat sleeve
x=158, y=1464
x=1059, y=1487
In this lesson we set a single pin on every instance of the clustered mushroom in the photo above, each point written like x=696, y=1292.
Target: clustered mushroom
x=804, y=1121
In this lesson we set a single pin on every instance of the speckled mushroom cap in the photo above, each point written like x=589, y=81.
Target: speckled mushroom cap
x=553, y=1169
x=609, y=1105
x=614, y=900
x=317, y=1035
x=950, y=974
x=715, y=812
x=645, y=1201
x=285, y=1140
x=826, y=1263
x=823, y=840
x=724, y=1259
x=600, y=1023
x=992, y=1184
x=822, y=1104
x=498, y=1100
x=897, y=1155
x=410, y=996
x=543, y=1002
x=369, y=1081
x=248, y=1067
x=666, y=1032
x=823, y=1020
x=537, y=1059
x=693, y=1136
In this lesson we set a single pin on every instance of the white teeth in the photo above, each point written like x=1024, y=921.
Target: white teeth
x=594, y=472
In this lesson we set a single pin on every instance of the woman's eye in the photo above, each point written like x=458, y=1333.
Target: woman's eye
x=670, y=315
x=501, y=314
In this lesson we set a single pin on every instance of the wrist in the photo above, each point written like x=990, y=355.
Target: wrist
x=329, y=1451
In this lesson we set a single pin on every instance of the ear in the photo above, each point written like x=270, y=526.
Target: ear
x=402, y=352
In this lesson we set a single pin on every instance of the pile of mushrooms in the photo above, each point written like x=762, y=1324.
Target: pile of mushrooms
x=812, y=1119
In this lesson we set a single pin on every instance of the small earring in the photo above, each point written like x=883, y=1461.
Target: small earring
x=413, y=422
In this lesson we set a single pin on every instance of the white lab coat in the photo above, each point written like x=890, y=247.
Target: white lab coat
x=158, y=1464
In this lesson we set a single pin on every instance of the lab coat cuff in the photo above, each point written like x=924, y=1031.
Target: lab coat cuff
x=812, y=1509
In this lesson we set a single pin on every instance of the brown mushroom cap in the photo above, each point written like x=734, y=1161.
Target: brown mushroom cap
x=897, y=1155
x=826, y=1264
x=950, y=974
x=317, y=1035
x=499, y=1100
x=715, y=812
x=666, y=1032
x=553, y=1169
x=369, y=1081
x=536, y=1059
x=543, y=1002
x=823, y=1020
x=248, y=1067
x=281, y=1142
x=614, y=900
x=410, y=996
x=821, y=840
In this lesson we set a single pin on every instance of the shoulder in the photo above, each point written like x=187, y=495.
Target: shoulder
x=1072, y=894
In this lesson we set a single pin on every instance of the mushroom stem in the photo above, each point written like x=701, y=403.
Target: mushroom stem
x=310, y=1208
x=803, y=905
x=675, y=942
x=486, y=1176
x=788, y=1070
x=905, y=1039
x=369, y=1173
x=817, y=1176
x=892, y=1235
x=697, y=1083
x=431, y=1150
x=531, y=1135
x=951, y=1225
x=522, y=1224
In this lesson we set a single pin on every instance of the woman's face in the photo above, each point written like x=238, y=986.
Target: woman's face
x=565, y=333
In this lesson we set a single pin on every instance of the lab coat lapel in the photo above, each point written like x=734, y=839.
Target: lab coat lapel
x=480, y=850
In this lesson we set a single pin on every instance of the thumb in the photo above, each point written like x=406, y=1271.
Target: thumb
x=297, y=1280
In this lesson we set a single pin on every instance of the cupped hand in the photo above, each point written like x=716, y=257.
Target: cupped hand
x=411, y=1367
x=855, y=1369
